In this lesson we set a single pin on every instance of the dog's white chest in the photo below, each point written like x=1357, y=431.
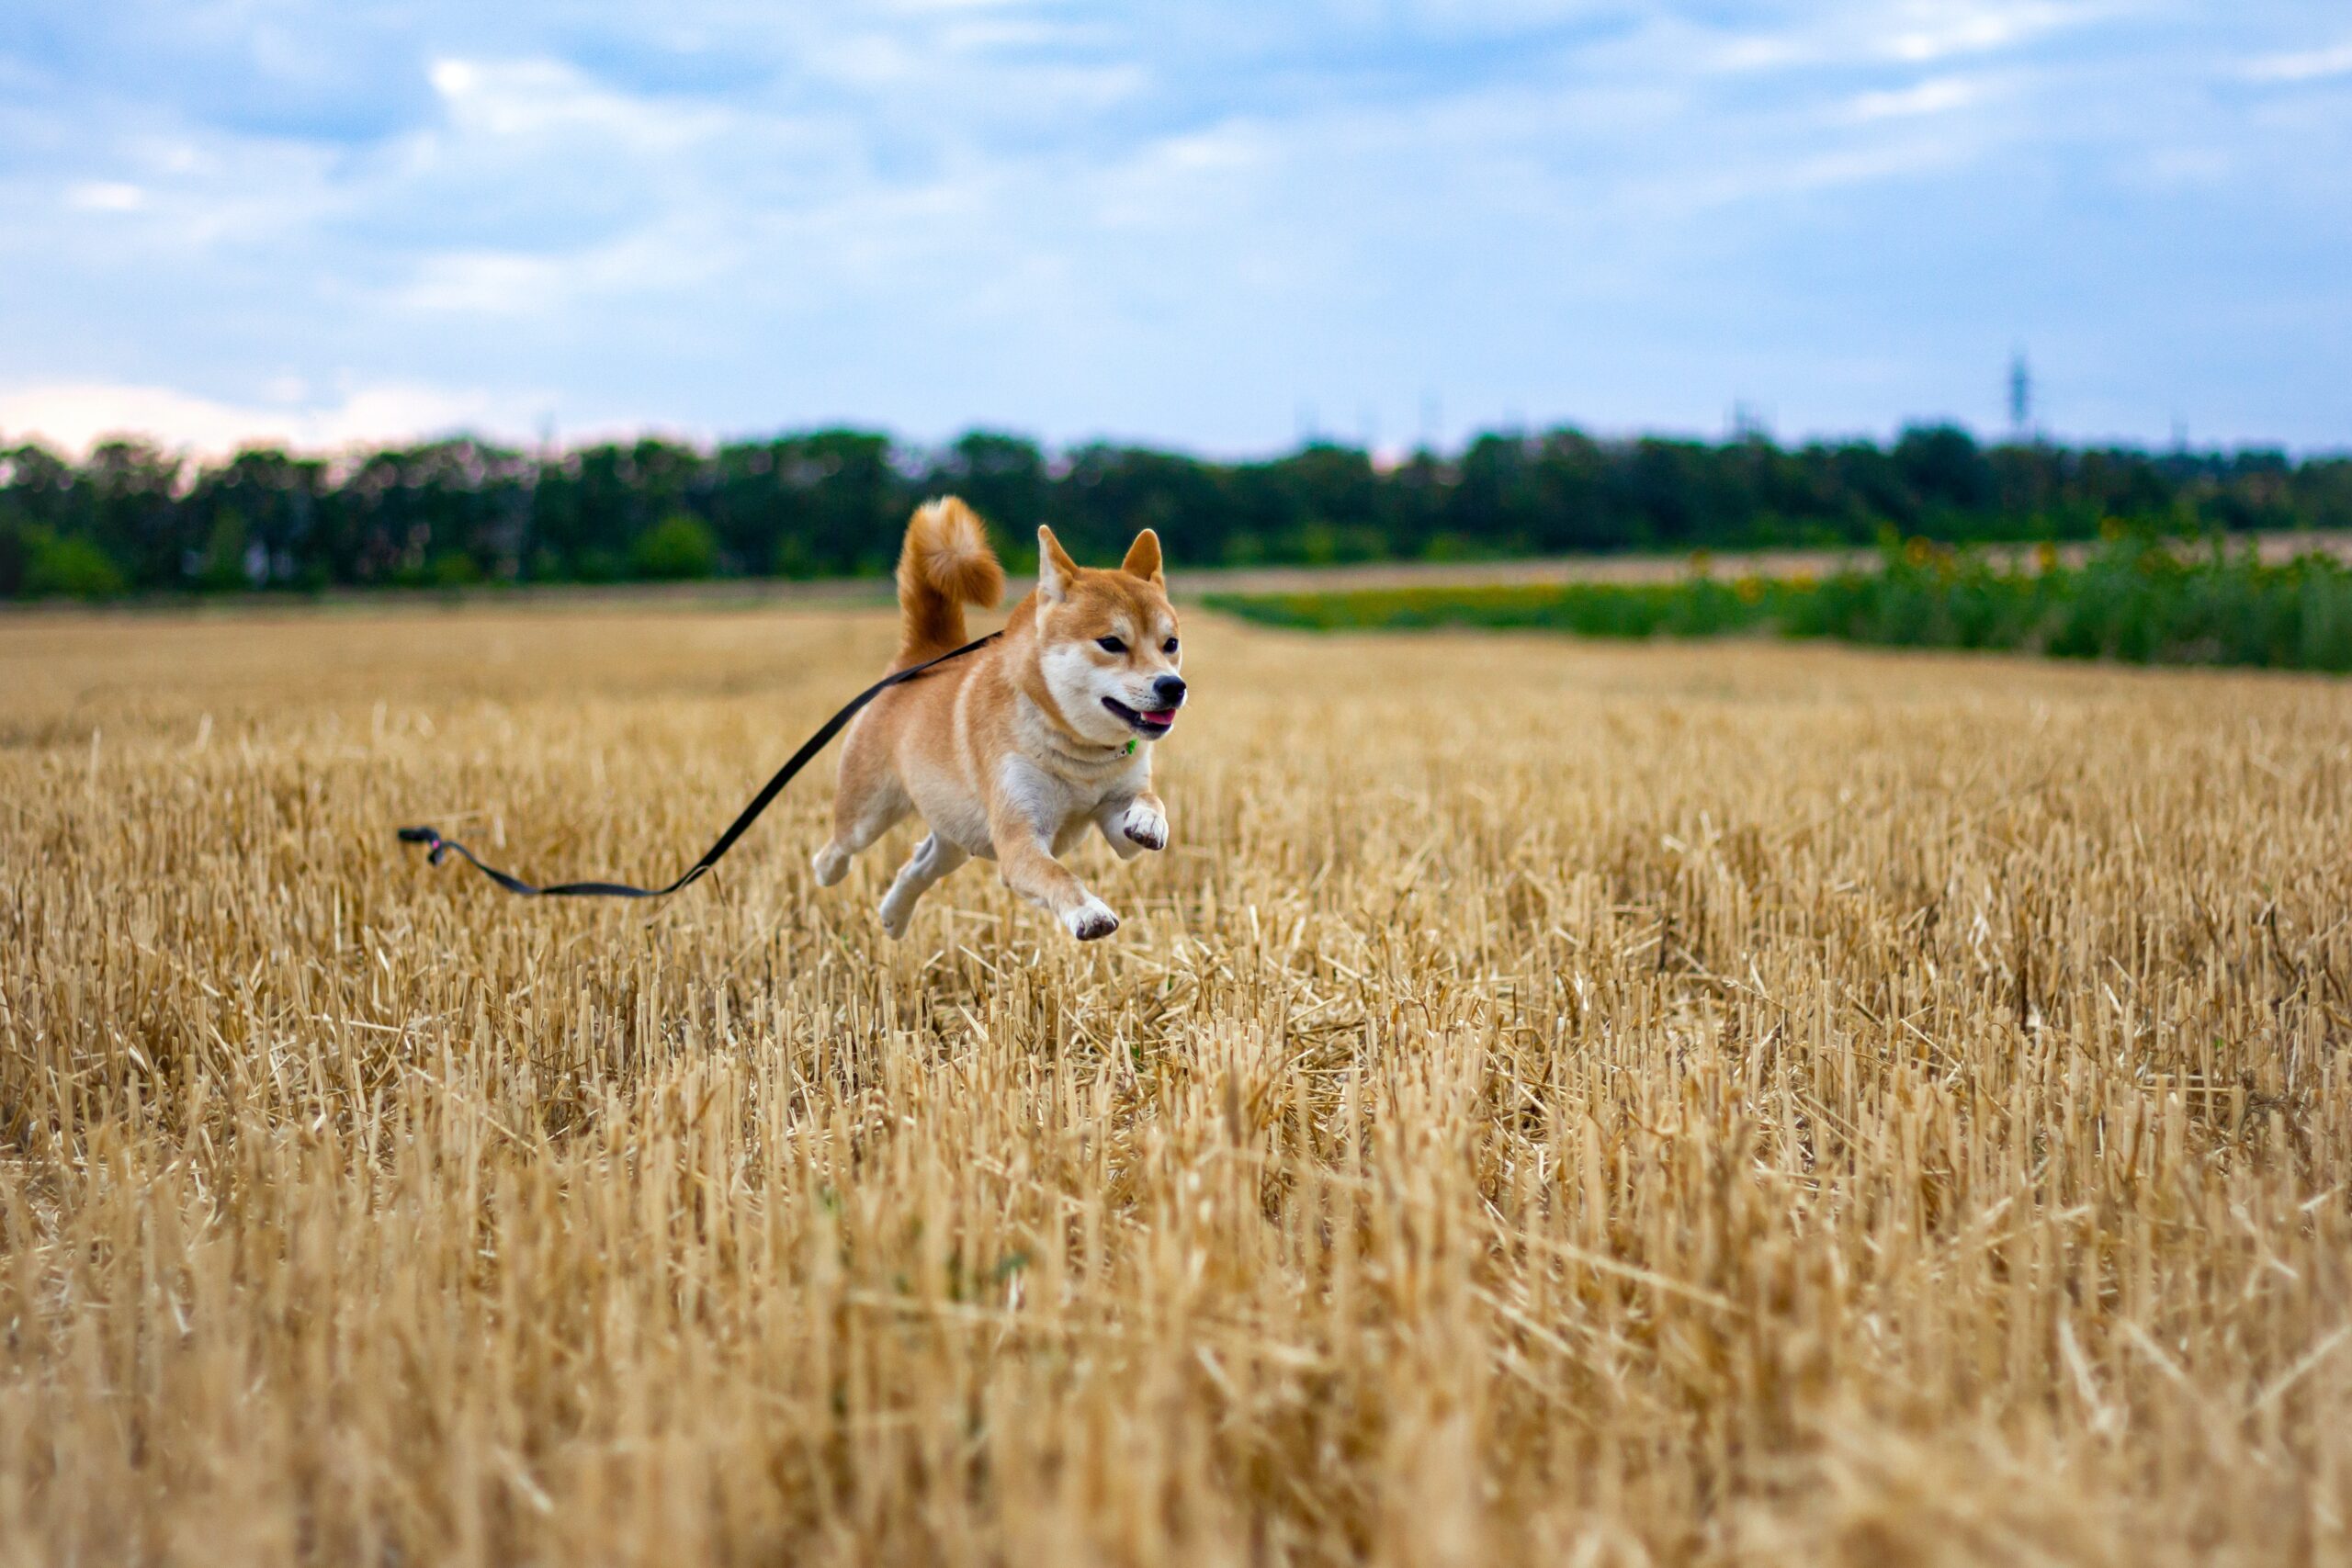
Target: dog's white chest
x=1061, y=805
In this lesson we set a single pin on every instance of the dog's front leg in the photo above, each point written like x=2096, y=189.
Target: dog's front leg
x=1133, y=824
x=1031, y=870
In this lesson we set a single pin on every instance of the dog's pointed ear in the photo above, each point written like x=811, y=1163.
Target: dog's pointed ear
x=1143, y=559
x=1055, y=570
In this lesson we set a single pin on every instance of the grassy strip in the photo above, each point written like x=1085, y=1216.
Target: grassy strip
x=2137, y=600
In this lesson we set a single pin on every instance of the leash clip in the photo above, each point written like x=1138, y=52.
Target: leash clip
x=428, y=837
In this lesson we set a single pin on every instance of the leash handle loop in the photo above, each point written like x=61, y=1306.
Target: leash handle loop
x=438, y=846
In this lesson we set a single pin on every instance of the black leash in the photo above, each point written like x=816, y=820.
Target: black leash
x=800, y=759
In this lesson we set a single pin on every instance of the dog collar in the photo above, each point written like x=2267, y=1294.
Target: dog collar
x=1079, y=747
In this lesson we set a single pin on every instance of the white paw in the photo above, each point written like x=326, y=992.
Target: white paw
x=1090, y=919
x=1146, y=825
x=831, y=865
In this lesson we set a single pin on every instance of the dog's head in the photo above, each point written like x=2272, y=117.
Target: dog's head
x=1107, y=642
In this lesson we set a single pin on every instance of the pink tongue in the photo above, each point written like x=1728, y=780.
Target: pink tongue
x=1159, y=716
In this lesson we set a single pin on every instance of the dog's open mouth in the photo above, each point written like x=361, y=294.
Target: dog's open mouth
x=1151, y=723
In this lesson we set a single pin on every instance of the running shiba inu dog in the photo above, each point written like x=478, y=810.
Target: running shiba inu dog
x=1010, y=753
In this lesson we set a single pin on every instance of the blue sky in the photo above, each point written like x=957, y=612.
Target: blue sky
x=1212, y=225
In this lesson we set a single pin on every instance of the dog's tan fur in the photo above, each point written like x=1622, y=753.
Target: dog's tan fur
x=1009, y=753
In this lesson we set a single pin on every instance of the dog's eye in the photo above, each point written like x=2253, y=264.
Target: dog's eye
x=1110, y=645
x=1169, y=648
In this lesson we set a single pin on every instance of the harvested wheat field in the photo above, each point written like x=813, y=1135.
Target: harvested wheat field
x=1551, y=1104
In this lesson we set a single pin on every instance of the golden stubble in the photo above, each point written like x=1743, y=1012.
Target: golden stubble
x=1550, y=1104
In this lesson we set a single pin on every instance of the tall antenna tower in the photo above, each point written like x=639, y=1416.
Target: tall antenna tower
x=2020, y=396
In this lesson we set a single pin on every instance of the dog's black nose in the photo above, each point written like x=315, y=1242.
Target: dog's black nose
x=1169, y=689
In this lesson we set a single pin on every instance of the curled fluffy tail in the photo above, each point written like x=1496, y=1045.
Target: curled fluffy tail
x=947, y=565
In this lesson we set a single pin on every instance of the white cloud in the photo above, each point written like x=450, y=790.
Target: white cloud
x=1761, y=181
x=549, y=99
x=488, y=283
x=928, y=7
x=76, y=415
x=673, y=255
x=2309, y=66
x=1936, y=95
x=1934, y=30
x=1911, y=32
x=106, y=195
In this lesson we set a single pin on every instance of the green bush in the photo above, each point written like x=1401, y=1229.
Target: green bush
x=2136, y=601
x=70, y=567
x=677, y=549
x=595, y=565
x=222, y=569
x=453, y=569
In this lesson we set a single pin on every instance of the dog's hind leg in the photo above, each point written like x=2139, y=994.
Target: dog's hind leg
x=869, y=800
x=860, y=816
x=932, y=859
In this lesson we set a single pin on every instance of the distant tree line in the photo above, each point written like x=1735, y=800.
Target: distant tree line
x=136, y=518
